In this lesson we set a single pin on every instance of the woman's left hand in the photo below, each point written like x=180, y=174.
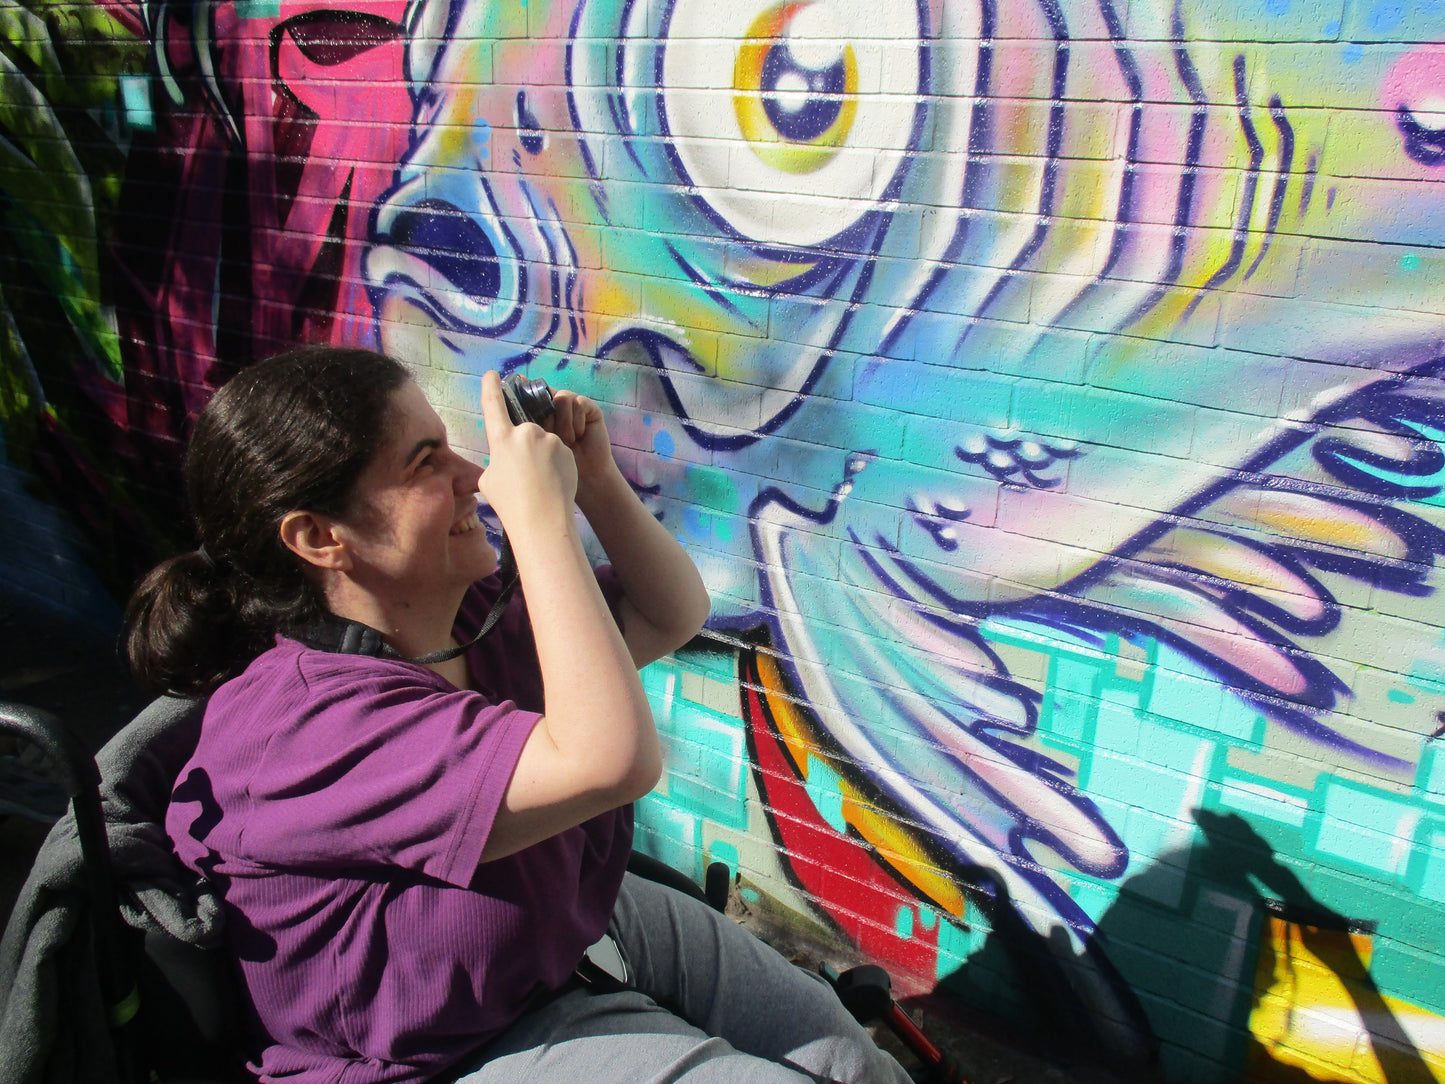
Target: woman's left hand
x=578, y=422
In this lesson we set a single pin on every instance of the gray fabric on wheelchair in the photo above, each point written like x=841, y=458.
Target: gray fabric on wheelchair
x=52, y=1022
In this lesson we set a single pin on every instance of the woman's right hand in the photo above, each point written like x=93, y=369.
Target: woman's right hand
x=529, y=472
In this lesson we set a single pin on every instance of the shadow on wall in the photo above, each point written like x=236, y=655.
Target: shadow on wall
x=1236, y=970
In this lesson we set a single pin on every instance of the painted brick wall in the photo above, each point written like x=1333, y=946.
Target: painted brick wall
x=1050, y=392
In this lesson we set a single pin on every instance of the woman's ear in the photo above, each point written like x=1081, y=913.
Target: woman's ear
x=315, y=539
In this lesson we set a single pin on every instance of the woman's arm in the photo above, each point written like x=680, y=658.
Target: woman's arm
x=596, y=746
x=664, y=601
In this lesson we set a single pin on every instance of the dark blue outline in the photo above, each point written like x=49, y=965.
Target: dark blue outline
x=1281, y=179
x=1184, y=205
x=1025, y=827
x=980, y=122
x=1052, y=145
x=1251, y=187
x=1422, y=144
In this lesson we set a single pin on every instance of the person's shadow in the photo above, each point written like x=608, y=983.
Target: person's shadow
x=1190, y=946
x=1236, y=860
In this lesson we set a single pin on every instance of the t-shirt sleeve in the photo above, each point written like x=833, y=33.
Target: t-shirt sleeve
x=384, y=772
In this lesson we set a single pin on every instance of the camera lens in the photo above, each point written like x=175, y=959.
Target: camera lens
x=527, y=400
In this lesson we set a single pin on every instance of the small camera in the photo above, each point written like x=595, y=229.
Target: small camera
x=527, y=400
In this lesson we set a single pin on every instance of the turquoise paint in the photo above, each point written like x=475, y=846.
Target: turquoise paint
x=903, y=922
x=1406, y=960
x=1430, y=779
x=707, y=763
x=1363, y=826
x=1428, y=677
x=1261, y=800
x=718, y=787
x=1427, y=867
x=1088, y=708
x=956, y=943
x=258, y=9
x=720, y=850
x=135, y=97
x=1093, y=895
x=670, y=834
x=1399, y=696
x=824, y=788
x=705, y=779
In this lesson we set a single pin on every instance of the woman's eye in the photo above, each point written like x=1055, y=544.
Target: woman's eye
x=809, y=100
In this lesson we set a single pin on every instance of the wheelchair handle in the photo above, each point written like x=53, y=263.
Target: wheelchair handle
x=80, y=779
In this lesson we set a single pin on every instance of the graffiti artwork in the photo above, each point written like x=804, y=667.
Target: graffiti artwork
x=1051, y=392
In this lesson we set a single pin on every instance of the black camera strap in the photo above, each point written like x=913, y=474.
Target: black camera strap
x=347, y=637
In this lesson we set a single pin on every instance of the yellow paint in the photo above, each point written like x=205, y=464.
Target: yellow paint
x=787, y=715
x=897, y=843
x=763, y=272
x=1353, y=533
x=786, y=155
x=1223, y=557
x=1317, y=1012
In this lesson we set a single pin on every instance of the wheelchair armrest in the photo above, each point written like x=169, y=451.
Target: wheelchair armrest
x=715, y=895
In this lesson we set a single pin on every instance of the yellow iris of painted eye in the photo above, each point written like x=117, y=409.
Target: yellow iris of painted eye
x=794, y=117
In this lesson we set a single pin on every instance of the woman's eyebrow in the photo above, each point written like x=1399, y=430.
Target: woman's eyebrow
x=426, y=444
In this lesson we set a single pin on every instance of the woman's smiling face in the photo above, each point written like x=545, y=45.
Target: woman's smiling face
x=413, y=524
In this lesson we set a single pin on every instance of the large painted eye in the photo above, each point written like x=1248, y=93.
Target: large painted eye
x=791, y=119
x=795, y=90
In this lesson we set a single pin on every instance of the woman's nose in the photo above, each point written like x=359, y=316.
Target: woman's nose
x=467, y=473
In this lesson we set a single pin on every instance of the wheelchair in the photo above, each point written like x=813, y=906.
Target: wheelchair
x=113, y=963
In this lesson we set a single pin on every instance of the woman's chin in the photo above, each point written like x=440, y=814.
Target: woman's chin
x=485, y=561
x=471, y=557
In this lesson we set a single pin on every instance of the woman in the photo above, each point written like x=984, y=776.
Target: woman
x=415, y=847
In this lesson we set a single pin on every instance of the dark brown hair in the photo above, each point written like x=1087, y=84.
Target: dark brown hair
x=290, y=433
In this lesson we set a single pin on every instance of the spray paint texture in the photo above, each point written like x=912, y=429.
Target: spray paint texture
x=1049, y=391
x=1059, y=321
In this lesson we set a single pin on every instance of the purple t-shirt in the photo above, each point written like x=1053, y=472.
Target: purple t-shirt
x=340, y=804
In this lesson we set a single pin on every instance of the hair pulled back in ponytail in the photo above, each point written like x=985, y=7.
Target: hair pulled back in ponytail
x=292, y=433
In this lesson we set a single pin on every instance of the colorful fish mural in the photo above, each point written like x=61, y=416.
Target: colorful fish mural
x=963, y=349
x=1050, y=391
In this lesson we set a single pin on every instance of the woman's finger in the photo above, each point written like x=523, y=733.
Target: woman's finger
x=565, y=420
x=494, y=407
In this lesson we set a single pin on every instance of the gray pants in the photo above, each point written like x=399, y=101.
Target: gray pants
x=712, y=1005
